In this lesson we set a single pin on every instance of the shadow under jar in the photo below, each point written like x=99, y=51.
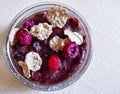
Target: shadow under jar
x=70, y=69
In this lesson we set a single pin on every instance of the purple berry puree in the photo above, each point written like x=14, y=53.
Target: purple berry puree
x=69, y=66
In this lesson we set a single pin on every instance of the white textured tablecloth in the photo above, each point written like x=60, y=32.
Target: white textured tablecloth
x=103, y=74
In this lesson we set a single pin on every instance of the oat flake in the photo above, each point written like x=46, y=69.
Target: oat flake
x=74, y=36
x=33, y=61
x=42, y=31
x=57, y=43
x=25, y=68
x=57, y=16
x=12, y=35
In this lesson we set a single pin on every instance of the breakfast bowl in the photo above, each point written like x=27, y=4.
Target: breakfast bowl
x=48, y=46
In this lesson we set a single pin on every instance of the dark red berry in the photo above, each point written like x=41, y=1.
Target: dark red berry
x=75, y=21
x=70, y=50
x=24, y=37
x=28, y=23
x=73, y=24
x=54, y=63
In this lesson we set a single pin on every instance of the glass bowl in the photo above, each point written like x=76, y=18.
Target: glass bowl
x=27, y=12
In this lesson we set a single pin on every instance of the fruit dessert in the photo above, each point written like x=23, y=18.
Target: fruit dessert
x=48, y=47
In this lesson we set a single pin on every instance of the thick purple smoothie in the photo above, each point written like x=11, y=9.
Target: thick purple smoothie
x=68, y=66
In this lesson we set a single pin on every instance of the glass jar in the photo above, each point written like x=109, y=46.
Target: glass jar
x=27, y=12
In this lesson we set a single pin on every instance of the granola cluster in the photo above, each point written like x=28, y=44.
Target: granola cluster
x=57, y=43
x=32, y=62
x=57, y=16
x=74, y=36
x=12, y=35
x=42, y=31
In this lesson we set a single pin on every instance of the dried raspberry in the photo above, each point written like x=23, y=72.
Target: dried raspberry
x=24, y=37
x=28, y=23
x=73, y=24
x=54, y=63
x=70, y=50
x=75, y=21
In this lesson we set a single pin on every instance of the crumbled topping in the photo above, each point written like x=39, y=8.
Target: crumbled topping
x=65, y=41
x=12, y=35
x=25, y=68
x=74, y=36
x=57, y=16
x=57, y=43
x=33, y=61
x=42, y=31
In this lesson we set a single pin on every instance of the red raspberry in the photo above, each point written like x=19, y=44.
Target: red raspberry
x=24, y=37
x=54, y=63
x=70, y=50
